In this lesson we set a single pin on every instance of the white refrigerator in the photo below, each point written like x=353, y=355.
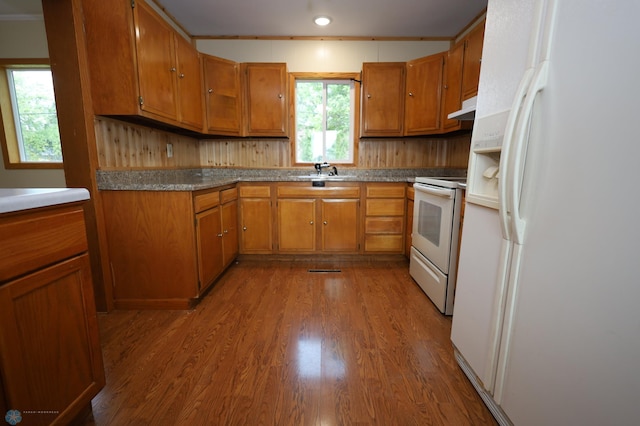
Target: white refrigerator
x=546, y=320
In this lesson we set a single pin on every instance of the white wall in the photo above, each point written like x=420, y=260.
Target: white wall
x=320, y=55
x=26, y=39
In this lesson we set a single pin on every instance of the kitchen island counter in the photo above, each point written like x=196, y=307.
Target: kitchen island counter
x=17, y=199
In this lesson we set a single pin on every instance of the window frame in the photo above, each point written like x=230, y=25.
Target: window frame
x=293, y=76
x=8, y=133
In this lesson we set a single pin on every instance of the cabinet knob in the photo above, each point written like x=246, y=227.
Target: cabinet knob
x=220, y=235
x=244, y=228
x=310, y=222
x=369, y=95
x=172, y=69
x=226, y=231
x=210, y=90
x=325, y=222
x=181, y=75
x=410, y=93
x=280, y=95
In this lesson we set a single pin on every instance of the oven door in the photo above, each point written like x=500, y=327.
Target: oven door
x=432, y=223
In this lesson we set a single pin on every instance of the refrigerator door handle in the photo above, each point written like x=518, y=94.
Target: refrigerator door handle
x=518, y=156
x=505, y=167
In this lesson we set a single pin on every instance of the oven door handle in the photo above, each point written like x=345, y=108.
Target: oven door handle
x=444, y=193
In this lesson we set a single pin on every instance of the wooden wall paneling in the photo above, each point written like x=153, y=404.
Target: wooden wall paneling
x=125, y=145
x=251, y=153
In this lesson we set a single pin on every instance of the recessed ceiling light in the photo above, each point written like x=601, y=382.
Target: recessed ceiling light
x=322, y=21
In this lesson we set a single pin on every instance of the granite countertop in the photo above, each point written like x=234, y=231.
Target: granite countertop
x=198, y=179
x=16, y=199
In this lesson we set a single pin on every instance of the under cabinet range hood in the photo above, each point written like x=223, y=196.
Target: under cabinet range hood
x=468, y=111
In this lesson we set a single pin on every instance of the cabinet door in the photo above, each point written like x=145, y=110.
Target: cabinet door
x=222, y=92
x=229, y=231
x=382, y=98
x=472, y=60
x=189, y=72
x=51, y=358
x=452, y=88
x=255, y=216
x=423, y=94
x=296, y=224
x=340, y=225
x=265, y=87
x=209, y=240
x=156, y=63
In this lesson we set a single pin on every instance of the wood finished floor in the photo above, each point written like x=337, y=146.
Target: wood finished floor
x=275, y=344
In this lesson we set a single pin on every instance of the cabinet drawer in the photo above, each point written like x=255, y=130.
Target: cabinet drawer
x=385, y=207
x=326, y=192
x=383, y=225
x=57, y=235
x=386, y=243
x=228, y=195
x=385, y=191
x=255, y=191
x=206, y=201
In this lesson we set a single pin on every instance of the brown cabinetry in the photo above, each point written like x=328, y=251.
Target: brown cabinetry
x=384, y=225
x=222, y=94
x=318, y=219
x=256, y=234
x=265, y=99
x=472, y=59
x=423, y=93
x=452, y=88
x=151, y=71
x=166, y=248
x=383, y=86
x=50, y=356
x=407, y=236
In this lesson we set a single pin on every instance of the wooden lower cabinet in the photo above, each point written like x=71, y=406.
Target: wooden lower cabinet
x=256, y=230
x=166, y=248
x=50, y=356
x=407, y=242
x=318, y=219
x=384, y=218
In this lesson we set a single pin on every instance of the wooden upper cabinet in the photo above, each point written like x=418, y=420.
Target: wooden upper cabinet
x=423, y=92
x=452, y=88
x=265, y=99
x=222, y=95
x=140, y=66
x=383, y=86
x=472, y=59
x=189, y=73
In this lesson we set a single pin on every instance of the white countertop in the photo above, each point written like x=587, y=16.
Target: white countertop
x=15, y=199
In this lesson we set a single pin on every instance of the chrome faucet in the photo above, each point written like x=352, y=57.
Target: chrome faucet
x=325, y=165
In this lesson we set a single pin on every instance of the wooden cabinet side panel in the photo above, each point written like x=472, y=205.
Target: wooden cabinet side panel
x=114, y=75
x=48, y=320
x=151, y=244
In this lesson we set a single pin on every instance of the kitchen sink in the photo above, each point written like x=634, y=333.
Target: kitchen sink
x=326, y=177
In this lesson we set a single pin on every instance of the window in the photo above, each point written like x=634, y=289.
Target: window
x=30, y=133
x=325, y=118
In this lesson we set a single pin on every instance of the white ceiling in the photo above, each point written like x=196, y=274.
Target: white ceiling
x=277, y=18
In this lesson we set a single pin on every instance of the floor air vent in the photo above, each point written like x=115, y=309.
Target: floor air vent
x=325, y=270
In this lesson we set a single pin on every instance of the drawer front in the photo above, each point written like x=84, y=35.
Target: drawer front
x=255, y=191
x=203, y=202
x=383, y=243
x=34, y=240
x=385, y=207
x=228, y=195
x=326, y=192
x=383, y=225
x=385, y=191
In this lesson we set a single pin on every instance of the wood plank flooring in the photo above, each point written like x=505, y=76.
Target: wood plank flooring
x=275, y=344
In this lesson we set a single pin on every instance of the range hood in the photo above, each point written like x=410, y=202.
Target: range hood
x=468, y=111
